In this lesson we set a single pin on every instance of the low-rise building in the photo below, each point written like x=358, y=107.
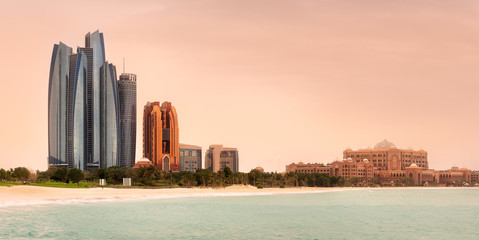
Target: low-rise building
x=190, y=157
x=389, y=165
x=308, y=168
x=218, y=157
x=349, y=168
x=475, y=176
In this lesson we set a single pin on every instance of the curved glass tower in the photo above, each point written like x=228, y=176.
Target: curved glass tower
x=96, y=43
x=77, y=114
x=83, y=122
x=108, y=116
x=57, y=105
x=127, y=101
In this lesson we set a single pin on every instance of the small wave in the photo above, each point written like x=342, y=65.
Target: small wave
x=66, y=201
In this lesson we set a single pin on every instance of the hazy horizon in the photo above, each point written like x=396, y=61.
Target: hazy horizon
x=282, y=81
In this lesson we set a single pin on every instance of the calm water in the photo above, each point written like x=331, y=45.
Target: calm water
x=360, y=214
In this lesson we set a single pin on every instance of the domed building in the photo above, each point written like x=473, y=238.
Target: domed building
x=386, y=164
x=385, y=144
x=144, y=162
x=386, y=156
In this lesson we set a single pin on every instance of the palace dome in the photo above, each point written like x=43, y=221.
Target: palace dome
x=384, y=145
x=413, y=165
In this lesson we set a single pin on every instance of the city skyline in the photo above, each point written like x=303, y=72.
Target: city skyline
x=83, y=107
x=301, y=81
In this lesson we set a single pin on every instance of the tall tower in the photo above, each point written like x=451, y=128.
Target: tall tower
x=109, y=124
x=127, y=109
x=148, y=121
x=161, y=135
x=78, y=101
x=95, y=42
x=57, y=105
x=77, y=111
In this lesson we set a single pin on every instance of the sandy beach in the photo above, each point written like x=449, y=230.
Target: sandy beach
x=33, y=195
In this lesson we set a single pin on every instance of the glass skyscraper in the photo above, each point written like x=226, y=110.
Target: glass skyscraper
x=76, y=111
x=57, y=105
x=83, y=123
x=96, y=43
x=127, y=100
x=108, y=116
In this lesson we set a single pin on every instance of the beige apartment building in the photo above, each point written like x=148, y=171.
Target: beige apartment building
x=218, y=157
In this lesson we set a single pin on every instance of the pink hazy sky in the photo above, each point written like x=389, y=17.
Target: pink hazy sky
x=283, y=81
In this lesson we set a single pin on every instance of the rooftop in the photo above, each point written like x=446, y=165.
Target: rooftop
x=385, y=144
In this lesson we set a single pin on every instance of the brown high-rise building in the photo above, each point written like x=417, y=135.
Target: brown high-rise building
x=161, y=135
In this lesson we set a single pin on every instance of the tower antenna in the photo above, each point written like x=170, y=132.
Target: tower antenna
x=123, y=65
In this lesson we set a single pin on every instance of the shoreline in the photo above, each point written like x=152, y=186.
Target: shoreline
x=34, y=195
x=22, y=195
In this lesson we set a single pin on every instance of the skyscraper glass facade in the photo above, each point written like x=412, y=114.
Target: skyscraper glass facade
x=127, y=109
x=96, y=43
x=108, y=116
x=83, y=121
x=57, y=105
x=77, y=114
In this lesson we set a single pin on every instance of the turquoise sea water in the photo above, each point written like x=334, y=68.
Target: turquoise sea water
x=358, y=214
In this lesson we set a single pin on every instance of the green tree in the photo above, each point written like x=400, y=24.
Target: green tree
x=116, y=175
x=21, y=173
x=408, y=181
x=60, y=175
x=255, y=177
x=186, y=178
x=102, y=173
x=3, y=175
x=75, y=175
x=355, y=180
x=46, y=175
x=203, y=176
x=228, y=173
x=132, y=173
x=147, y=175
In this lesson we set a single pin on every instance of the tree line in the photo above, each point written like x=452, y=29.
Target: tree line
x=150, y=176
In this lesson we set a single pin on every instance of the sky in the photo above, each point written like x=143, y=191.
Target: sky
x=282, y=81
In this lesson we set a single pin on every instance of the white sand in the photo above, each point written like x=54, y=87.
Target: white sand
x=31, y=195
